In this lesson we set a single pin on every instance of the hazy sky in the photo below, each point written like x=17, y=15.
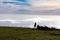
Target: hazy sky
x=17, y=13
x=29, y=20
x=30, y=7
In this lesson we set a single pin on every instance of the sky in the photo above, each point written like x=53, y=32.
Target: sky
x=23, y=13
x=42, y=7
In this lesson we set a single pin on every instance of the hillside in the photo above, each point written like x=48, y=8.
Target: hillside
x=13, y=33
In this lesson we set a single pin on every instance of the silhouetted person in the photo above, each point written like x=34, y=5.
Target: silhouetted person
x=35, y=25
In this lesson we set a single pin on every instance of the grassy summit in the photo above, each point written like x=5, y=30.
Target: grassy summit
x=13, y=33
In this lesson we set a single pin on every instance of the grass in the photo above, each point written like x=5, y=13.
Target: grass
x=13, y=33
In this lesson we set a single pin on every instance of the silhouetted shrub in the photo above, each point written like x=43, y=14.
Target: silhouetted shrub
x=45, y=28
x=52, y=28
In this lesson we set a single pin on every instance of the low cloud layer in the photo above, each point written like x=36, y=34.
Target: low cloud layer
x=29, y=20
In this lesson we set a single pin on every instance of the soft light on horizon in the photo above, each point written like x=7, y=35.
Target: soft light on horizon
x=29, y=20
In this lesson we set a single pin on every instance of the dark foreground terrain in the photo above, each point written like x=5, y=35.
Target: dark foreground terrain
x=13, y=33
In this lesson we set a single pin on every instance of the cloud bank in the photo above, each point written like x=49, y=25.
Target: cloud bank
x=29, y=20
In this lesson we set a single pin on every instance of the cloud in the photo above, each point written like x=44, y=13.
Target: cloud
x=46, y=4
x=30, y=6
x=22, y=0
x=17, y=2
x=29, y=20
x=9, y=20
